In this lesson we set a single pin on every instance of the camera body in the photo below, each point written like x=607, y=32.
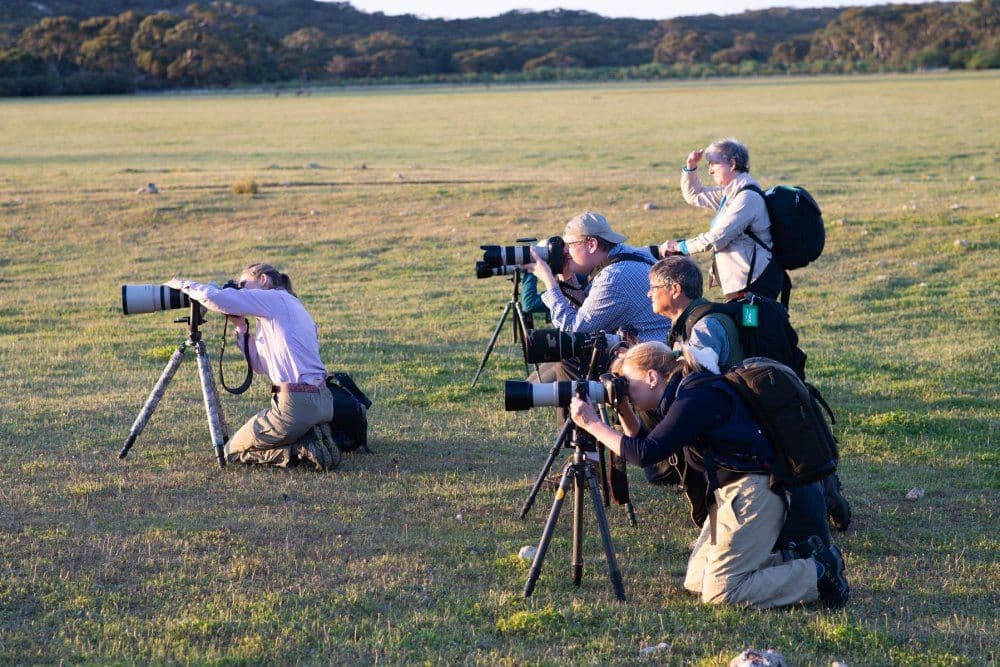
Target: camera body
x=615, y=389
x=511, y=256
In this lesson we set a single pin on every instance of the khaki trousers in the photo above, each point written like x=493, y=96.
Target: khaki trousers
x=737, y=567
x=272, y=436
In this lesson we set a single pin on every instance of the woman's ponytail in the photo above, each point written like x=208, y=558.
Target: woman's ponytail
x=278, y=280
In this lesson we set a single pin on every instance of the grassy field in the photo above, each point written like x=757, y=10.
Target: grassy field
x=375, y=202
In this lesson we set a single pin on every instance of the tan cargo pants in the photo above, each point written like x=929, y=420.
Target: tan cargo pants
x=272, y=436
x=737, y=567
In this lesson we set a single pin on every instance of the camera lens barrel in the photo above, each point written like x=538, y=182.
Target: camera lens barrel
x=545, y=345
x=497, y=255
x=485, y=270
x=151, y=298
x=522, y=395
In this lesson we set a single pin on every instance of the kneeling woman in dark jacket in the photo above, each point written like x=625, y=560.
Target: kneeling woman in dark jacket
x=294, y=427
x=708, y=424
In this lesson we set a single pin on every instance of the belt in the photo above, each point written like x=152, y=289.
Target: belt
x=299, y=387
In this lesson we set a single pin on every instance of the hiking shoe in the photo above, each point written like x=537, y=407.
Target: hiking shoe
x=832, y=584
x=837, y=508
x=314, y=449
x=806, y=549
x=326, y=436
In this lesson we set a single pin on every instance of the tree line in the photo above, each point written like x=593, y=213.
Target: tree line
x=229, y=43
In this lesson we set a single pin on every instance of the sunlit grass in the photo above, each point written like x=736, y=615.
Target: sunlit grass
x=376, y=202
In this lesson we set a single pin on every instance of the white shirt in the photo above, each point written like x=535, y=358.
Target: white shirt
x=286, y=344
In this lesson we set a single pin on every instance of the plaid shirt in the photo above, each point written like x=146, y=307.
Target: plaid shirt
x=616, y=296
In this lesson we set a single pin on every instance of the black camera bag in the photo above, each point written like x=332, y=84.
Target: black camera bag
x=350, y=413
x=788, y=411
x=772, y=336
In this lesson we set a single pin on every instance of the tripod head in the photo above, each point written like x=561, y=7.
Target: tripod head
x=193, y=320
x=580, y=440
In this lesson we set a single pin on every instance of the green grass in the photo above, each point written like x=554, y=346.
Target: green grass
x=409, y=555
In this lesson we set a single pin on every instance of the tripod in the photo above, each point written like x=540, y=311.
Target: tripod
x=579, y=473
x=598, y=354
x=521, y=326
x=216, y=420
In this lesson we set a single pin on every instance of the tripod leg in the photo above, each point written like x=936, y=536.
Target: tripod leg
x=550, y=524
x=609, y=547
x=522, y=327
x=605, y=484
x=212, y=404
x=553, y=453
x=154, y=399
x=630, y=508
x=218, y=411
x=578, y=525
x=493, y=341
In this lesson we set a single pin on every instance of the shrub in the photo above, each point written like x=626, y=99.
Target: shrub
x=246, y=187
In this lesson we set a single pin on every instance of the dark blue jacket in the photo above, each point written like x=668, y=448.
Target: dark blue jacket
x=707, y=420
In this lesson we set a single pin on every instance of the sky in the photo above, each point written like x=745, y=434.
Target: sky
x=644, y=9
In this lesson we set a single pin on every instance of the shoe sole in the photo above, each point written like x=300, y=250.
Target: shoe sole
x=843, y=594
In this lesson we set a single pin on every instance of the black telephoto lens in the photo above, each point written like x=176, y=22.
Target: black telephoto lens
x=545, y=345
x=492, y=255
x=486, y=270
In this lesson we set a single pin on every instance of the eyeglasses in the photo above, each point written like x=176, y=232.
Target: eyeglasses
x=583, y=240
x=653, y=288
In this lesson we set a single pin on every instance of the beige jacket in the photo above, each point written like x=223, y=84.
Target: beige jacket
x=727, y=236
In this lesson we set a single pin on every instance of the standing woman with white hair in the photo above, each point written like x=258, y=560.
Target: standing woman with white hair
x=739, y=263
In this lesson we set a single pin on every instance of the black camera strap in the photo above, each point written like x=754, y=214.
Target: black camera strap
x=246, y=356
x=620, y=257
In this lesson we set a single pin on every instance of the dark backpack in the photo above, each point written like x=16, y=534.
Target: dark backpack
x=788, y=411
x=797, y=232
x=772, y=336
x=350, y=413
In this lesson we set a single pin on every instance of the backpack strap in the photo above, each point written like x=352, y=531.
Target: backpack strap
x=786, y=286
x=732, y=330
x=620, y=257
x=568, y=290
x=680, y=329
x=818, y=397
x=786, y=289
x=754, y=237
x=747, y=231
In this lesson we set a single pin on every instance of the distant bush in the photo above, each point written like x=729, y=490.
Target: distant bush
x=25, y=86
x=97, y=83
x=246, y=187
x=985, y=58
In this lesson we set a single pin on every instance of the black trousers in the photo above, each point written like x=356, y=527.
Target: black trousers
x=768, y=283
x=806, y=516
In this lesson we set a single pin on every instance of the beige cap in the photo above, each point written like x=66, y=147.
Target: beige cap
x=590, y=223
